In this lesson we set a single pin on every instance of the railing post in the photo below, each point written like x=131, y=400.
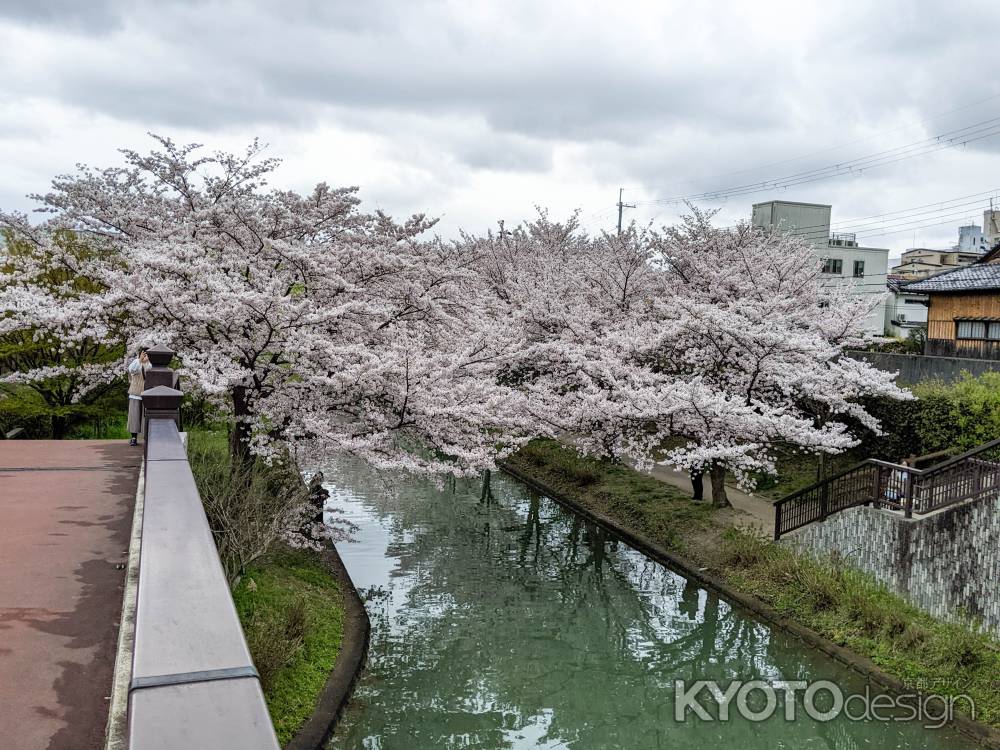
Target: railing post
x=908, y=502
x=824, y=500
x=160, y=372
x=160, y=400
x=777, y=521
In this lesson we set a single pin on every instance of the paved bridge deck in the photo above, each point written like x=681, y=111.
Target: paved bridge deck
x=65, y=521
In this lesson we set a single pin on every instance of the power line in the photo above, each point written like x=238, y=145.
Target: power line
x=849, y=143
x=949, y=139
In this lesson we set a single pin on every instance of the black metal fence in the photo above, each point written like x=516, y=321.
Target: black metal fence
x=900, y=487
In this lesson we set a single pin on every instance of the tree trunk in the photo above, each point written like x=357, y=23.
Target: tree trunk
x=719, y=497
x=487, y=494
x=59, y=427
x=239, y=437
x=698, y=484
x=821, y=468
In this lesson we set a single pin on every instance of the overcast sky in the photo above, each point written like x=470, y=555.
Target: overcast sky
x=476, y=111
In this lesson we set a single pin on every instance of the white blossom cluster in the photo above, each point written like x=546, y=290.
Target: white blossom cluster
x=318, y=325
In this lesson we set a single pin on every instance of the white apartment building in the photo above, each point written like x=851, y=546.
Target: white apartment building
x=904, y=311
x=971, y=239
x=991, y=227
x=864, y=269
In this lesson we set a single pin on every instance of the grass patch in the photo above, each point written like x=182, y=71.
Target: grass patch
x=853, y=610
x=290, y=605
x=102, y=428
x=648, y=505
x=846, y=606
x=292, y=613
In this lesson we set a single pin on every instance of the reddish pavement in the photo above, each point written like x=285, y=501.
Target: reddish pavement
x=65, y=522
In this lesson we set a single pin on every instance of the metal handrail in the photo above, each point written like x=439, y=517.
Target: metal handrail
x=895, y=467
x=960, y=457
x=816, y=485
x=914, y=483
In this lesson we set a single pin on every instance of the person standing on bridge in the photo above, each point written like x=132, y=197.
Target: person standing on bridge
x=136, y=385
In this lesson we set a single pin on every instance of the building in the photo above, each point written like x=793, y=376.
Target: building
x=963, y=314
x=904, y=311
x=921, y=262
x=844, y=261
x=991, y=227
x=971, y=239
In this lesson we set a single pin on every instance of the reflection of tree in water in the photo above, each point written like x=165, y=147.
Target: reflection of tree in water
x=510, y=623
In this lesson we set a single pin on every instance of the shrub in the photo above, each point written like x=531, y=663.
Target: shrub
x=956, y=416
x=275, y=638
x=248, y=510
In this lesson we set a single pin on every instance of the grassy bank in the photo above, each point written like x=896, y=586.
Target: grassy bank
x=289, y=603
x=658, y=510
x=293, y=616
x=845, y=606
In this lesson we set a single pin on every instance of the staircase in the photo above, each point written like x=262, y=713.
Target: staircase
x=899, y=487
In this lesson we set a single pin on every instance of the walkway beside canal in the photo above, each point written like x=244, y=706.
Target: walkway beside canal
x=66, y=509
x=758, y=511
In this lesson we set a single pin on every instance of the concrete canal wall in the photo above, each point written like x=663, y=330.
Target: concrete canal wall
x=947, y=563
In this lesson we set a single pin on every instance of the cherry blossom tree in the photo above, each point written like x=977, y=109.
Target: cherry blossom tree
x=756, y=333
x=324, y=328
x=310, y=322
x=50, y=344
x=729, y=339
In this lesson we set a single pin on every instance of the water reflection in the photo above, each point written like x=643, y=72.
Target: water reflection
x=501, y=621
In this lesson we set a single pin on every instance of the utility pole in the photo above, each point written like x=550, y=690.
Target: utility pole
x=503, y=232
x=620, y=207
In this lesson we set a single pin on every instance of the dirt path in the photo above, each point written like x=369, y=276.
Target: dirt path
x=758, y=511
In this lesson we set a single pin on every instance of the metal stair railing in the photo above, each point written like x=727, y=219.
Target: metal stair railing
x=967, y=476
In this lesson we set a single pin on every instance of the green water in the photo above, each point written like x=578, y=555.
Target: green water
x=507, y=622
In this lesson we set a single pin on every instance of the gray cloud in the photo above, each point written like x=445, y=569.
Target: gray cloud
x=665, y=98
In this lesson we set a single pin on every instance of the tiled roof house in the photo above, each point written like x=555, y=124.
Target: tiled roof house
x=963, y=316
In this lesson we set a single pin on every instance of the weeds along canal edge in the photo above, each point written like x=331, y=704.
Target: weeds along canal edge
x=318, y=728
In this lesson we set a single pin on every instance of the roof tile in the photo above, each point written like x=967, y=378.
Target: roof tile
x=969, y=278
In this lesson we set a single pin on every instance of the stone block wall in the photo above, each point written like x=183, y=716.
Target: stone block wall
x=946, y=563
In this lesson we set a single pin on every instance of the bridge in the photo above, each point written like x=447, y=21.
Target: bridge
x=897, y=487
x=117, y=628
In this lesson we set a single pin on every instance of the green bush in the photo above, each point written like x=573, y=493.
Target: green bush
x=956, y=417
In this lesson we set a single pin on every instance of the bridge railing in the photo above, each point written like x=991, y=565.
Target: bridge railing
x=895, y=486
x=193, y=682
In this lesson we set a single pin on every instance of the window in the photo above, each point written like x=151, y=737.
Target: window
x=913, y=300
x=859, y=269
x=978, y=329
x=833, y=265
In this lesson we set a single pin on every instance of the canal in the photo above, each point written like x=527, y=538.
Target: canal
x=504, y=621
